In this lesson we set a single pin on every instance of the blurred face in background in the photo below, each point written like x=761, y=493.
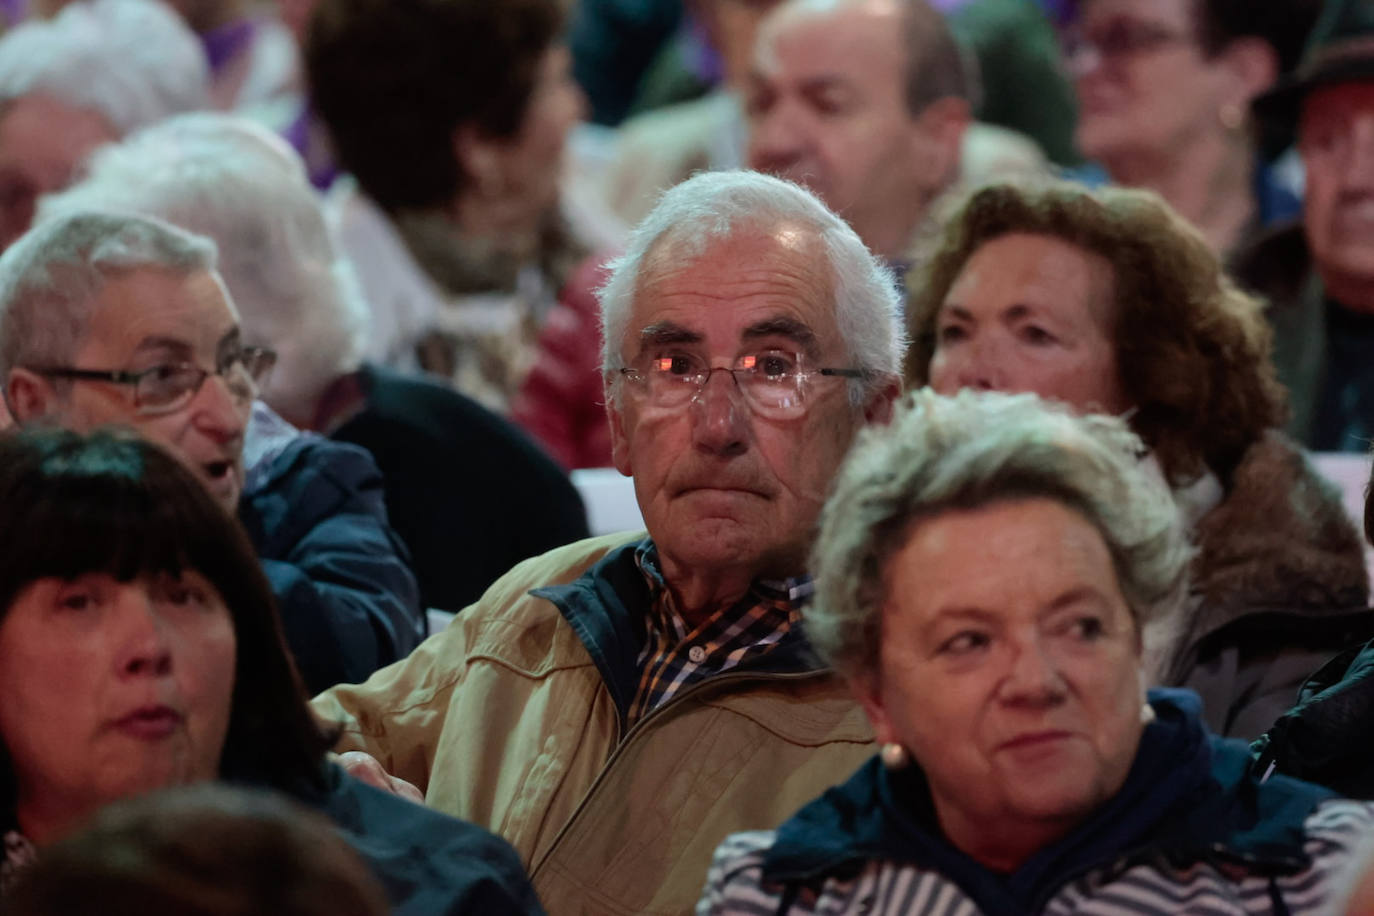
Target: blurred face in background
x=516, y=179
x=43, y=143
x=827, y=108
x=1145, y=85
x=1336, y=139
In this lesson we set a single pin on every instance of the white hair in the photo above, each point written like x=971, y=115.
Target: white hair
x=133, y=61
x=235, y=182
x=950, y=454
x=50, y=278
x=710, y=207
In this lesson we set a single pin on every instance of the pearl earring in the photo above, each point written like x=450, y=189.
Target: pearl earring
x=895, y=756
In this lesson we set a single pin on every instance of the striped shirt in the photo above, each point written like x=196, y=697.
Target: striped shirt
x=1137, y=886
x=676, y=655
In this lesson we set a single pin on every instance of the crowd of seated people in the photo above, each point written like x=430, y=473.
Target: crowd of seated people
x=986, y=563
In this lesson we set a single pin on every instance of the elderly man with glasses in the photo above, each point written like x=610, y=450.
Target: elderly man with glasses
x=616, y=707
x=119, y=319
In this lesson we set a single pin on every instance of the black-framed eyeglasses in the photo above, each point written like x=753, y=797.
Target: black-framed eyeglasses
x=774, y=383
x=165, y=388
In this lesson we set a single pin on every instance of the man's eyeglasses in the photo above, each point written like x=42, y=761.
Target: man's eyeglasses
x=775, y=383
x=163, y=389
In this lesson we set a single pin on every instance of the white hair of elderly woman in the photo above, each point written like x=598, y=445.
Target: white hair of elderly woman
x=233, y=181
x=944, y=454
x=711, y=206
x=133, y=61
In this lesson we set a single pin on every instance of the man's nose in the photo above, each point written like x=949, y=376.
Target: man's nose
x=720, y=416
x=776, y=139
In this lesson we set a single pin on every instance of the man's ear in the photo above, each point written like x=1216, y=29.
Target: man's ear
x=620, y=442
x=942, y=125
x=878, y=408
x=29, y=396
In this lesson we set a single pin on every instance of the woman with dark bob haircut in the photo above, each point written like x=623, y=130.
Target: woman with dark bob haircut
x=140, y=648
x=452, y=116
x=1111, y=303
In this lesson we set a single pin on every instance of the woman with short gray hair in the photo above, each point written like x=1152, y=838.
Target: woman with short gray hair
x=984, y=570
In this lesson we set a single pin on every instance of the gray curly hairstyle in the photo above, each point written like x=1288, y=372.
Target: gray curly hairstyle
x=944, y=454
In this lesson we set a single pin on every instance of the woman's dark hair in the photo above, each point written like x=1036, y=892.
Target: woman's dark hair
x=393, y=78
x=1192, y=350
x=1282, y=24
x=72, y=504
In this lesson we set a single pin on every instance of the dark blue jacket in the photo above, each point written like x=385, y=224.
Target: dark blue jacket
x=428, y=863
x=1325, y=738
x=1188, y=795
x=349, y=604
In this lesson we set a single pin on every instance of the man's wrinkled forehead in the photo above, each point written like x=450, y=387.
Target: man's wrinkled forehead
x=674, y=250
x=790, y=273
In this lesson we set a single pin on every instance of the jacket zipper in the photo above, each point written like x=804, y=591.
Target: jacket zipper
x=643, y=724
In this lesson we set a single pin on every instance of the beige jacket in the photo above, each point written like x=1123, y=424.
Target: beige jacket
x=506, y=719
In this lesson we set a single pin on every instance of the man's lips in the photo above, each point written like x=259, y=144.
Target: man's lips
x=720, y=490
x=149, y=723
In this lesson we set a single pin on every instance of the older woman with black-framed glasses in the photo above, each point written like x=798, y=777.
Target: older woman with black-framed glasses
x=170, y=386
x=111, y=318
x=984, y=570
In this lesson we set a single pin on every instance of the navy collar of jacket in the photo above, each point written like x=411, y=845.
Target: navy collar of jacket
x=1188, y=797
x=607, y=607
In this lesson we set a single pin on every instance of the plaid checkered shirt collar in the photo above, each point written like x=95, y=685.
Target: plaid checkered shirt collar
x=676, y=655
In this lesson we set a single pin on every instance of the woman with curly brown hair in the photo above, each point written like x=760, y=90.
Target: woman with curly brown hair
x=1110, y=302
